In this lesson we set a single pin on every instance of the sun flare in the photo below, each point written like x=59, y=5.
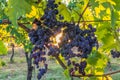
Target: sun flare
x=58, y=39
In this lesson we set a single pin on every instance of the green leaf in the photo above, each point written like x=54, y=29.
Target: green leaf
x=106, y=4
x=56, y=1
x=112, y=18
x=117, y=5
x=66, y=72
x=93, y=58
x=3, y=49
x=102, y=13
x=94, y=4
x=15, y=9
x=99, y=69
x=108, y=41
x=64, y=12
x=74, y=15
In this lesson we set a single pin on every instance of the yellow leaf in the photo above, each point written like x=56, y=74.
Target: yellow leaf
x=105, y=78
x=99, y=73
x=33, y=13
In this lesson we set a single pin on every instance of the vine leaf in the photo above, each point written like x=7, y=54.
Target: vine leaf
x=94, y=4
x=14, y=10
x=65, y=12
x=3, y=49
x=117, y=4
x=108, y=42
x=114, y=16
x=93, y=58
x=66, y=73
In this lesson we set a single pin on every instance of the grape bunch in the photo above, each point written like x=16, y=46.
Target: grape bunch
x=38, y=40
x=115, y=54
x=85, y=40
x=49, y=16
x=42, y=37
x=80, y=67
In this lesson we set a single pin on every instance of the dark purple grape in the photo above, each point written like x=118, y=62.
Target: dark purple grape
x=46, y=66
x=39, y=76
x=94, y=30
x=90, y=26
x=61, y=17
x=56, y=11
x=115, y=54
x=69, y=63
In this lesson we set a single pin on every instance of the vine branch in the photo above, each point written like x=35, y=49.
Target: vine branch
x=91, y=75
x=83, y=13
x=97, y=20
x=24, y=27
x=6, y=21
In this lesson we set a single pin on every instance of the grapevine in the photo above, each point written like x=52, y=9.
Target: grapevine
x=83, y=36
x=60, y=37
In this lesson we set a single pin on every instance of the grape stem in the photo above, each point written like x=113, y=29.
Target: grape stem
x=60, y=62
x=91, y=75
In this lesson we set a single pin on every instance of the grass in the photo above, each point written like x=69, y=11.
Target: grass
x=115, y=66
x=18, y=69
